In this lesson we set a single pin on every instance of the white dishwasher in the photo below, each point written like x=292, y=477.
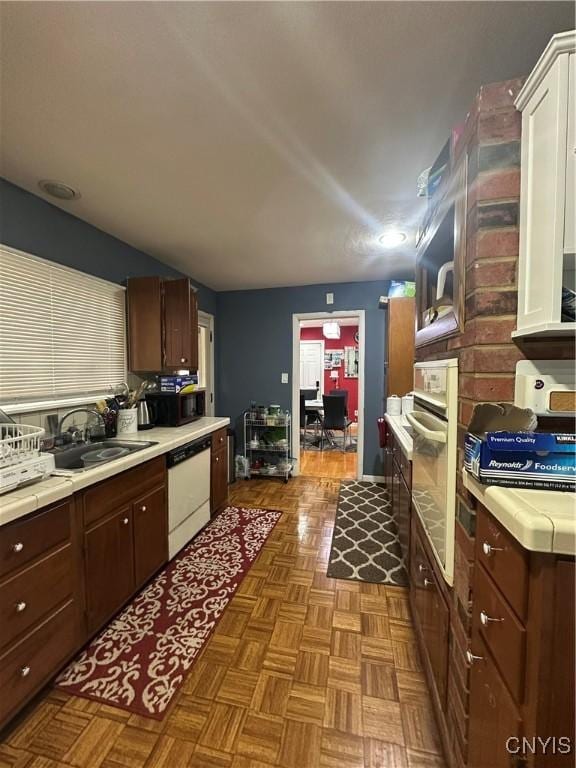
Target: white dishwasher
x=188, y=492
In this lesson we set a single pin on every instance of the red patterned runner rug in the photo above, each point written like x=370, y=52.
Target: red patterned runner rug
x=141, y=659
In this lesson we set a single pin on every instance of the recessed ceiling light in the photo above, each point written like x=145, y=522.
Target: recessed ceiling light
x=392, y=239
x=58, y=189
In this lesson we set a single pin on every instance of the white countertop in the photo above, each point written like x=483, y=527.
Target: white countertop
x=542, y=521
x=398, y=426
x=27, y=499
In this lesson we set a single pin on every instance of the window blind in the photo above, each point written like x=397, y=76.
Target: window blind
x=62, y=332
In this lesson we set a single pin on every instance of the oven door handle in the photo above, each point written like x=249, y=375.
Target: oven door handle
x=430, y=434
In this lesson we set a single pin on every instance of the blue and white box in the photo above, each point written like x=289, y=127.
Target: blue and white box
x=174, y=384
x=545, y=460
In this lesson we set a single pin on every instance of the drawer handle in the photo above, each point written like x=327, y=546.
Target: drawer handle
x=217, y=459
x=20, y=606
x=125, y=521
x=488, y=549
x=428, y=583
x=143, y=508
x=471, y=658
x=25, y=671
x=221, y=439
x=485, y=619
x=422, y=568
x=182, y=359
x=18, y=547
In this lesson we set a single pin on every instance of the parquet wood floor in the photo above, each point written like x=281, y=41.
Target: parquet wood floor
x=303, y=671
x=336, y=465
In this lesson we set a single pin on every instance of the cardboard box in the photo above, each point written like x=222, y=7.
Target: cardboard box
x=542, y=460
x=176, y=383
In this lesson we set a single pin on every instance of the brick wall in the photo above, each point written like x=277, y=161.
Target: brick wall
x=487, y=356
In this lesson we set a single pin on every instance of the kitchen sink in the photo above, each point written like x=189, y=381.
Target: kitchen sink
x=69, y=459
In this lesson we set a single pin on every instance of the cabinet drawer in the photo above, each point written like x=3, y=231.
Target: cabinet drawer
x=504, y=559
x=30, y=537
x=219, y=439
x=30, y=664
x=109, y=495
x=501, y=631
x=493, y=717
x=35, y=592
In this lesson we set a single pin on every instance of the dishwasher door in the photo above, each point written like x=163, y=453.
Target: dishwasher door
x=188, y=500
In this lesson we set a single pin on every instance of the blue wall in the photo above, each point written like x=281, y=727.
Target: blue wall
x=31, y=224
x=255, y=347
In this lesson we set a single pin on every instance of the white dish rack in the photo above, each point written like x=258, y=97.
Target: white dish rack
x=21, y=461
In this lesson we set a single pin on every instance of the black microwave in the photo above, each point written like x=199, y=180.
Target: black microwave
x=173, y=410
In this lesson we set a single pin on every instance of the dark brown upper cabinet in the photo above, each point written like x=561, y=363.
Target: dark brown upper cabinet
x=162, y=325
x=441, y=261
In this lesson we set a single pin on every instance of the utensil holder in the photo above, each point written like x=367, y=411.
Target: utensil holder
x=127, y=421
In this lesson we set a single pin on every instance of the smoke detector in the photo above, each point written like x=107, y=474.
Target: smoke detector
x=58, y=189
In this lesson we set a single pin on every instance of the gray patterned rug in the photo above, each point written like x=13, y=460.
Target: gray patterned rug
x=365, y=543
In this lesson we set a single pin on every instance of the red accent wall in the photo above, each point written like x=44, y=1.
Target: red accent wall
x=346, y=340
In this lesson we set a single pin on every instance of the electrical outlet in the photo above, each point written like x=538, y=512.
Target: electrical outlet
x=329, y=298
x=284, y=378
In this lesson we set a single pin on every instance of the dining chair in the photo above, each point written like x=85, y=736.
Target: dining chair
x=335, y=419
x=308, y=416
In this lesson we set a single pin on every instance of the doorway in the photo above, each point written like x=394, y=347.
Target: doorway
x=328, y=380
x=206, y=358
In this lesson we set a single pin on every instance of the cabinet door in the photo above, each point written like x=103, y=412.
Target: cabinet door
x=542, y=199
x=388, y=468
x=396, y=480
x=436, y=633
x=180, y=325
x=144, y=301
x=431, y=612
x=493, y=716
x=150, y=516
x=219, y=480
x=109, y=566
x=570, y=207
x=400, y=346
x=402, y=513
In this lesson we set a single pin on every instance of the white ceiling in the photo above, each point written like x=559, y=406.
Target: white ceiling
x=252, y=144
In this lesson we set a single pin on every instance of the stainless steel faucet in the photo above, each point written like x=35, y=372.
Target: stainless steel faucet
x=79, y=434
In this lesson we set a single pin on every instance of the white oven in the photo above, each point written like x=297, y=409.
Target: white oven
x=434, y=421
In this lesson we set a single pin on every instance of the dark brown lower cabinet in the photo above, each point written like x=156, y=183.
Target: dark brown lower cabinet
x=494, y=718
x=108, y=566
x=150, y=534
x=402, y=513
x=430, y=613
x=219, y=470
x=510, y=694
x=41, y=601
x=398, y=481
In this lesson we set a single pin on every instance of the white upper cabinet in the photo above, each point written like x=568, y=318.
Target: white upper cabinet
x=546, y=276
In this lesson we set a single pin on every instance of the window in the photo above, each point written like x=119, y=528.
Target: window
x=62, y=332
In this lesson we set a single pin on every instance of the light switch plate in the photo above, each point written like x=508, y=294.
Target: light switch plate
x=329, y=298
x=284, y=378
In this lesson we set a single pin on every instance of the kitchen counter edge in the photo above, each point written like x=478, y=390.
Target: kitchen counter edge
x=23, y=501
x=404, y=440
x=541, y=521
